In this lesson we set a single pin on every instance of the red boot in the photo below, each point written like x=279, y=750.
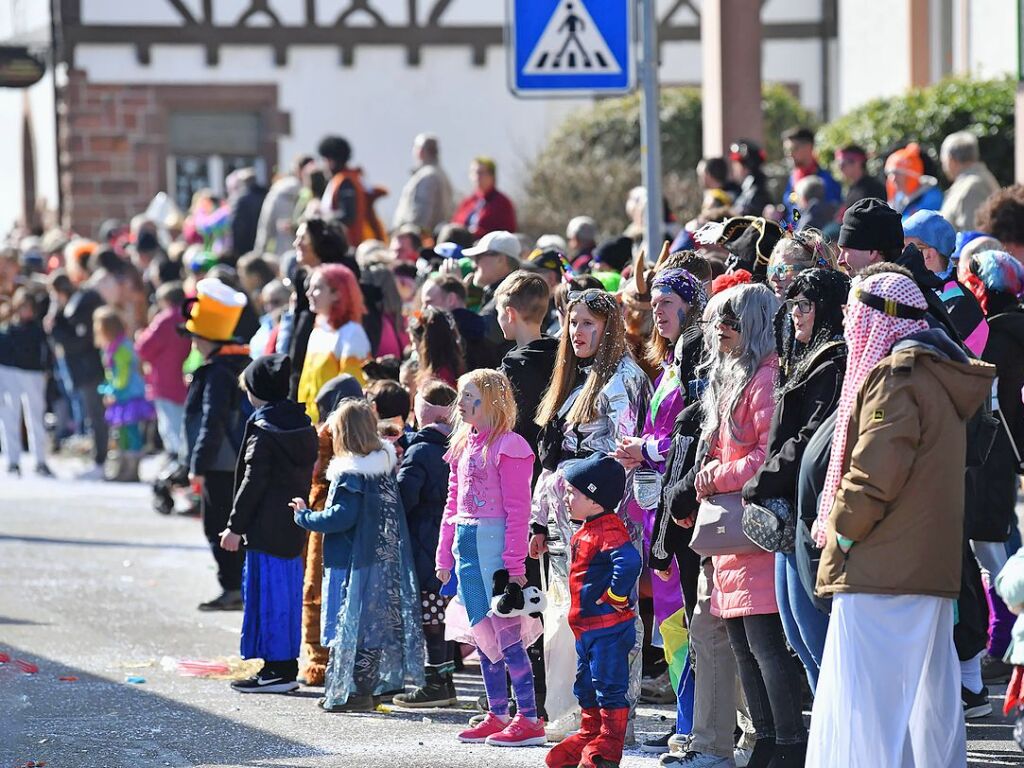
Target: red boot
x=567, y=753
x=606, y=750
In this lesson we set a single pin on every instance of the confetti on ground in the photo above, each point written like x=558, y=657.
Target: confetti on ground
x=68, y=679
x=26, y=666
x=135, y=680
x=232, y=668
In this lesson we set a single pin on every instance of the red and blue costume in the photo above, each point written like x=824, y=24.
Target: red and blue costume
x=604, y=569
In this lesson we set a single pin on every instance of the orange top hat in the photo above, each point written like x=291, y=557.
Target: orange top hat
x=213, y=314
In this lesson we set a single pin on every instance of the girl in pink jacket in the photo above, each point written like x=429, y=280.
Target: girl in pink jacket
x=484, y=532
x=738, y=405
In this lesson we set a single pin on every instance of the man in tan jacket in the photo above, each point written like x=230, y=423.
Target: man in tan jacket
x=891, y=521
x=972, y=180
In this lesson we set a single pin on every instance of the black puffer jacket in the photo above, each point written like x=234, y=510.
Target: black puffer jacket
x=72, y=331
x=803, y=406
x=215, y=413
x=423, y=484
x=274, y=466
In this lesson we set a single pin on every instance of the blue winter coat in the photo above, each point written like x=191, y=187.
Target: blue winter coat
x=370, y=594
x=423, y=484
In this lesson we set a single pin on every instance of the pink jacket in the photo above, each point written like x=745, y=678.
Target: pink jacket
x=164, y=350
x=495, y=486
x=744, y=585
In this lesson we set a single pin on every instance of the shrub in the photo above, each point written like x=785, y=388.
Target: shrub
x=928, y=115
x=593, y=159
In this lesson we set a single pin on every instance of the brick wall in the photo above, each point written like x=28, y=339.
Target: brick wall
x=114, y=146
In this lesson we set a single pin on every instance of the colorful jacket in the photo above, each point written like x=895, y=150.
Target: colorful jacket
x=605, y=566
x=744, y=585
x=124, y=378
x=347, y=200
x=491, y=483
x=164, y=350
x=330, y=352
x=966, y=314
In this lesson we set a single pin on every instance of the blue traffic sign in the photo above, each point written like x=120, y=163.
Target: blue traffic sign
x=570, y=47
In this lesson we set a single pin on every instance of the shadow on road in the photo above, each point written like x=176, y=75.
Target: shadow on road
x=91, y=722
x=103, y=543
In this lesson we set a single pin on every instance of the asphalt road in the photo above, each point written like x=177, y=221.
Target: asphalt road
x=97, y=589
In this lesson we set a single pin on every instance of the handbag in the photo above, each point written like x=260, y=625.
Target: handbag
x=719, y=527
x=559, y=652
x=771, y=525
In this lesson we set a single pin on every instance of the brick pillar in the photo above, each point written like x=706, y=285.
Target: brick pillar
x=730, y=38
x=919, y=40
x=111, y=139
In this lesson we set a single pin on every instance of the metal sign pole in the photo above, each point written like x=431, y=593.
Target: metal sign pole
x=650, y=128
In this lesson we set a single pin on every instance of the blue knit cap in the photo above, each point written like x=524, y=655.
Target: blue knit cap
x=600, y=478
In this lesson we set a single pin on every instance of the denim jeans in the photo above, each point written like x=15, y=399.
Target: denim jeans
x=770, y=679
x=170, y=417
x=805, y=625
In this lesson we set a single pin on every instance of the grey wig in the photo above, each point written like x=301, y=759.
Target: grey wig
x=728, y=375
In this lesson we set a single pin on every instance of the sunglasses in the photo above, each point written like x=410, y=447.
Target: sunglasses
x=781, y=270
x=594, y=298
x=729, y=321
x=804, y=305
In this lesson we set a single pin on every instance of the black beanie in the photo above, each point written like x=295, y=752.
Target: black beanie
x=871, y=225
x=600, y=478
x=344, y=386
x=267, y=377
x=615, y=253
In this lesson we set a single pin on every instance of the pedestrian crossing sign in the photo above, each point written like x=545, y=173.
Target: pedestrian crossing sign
x=570, y=47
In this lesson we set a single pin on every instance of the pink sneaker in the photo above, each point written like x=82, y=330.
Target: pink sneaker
x=491, y=725
x=519, y=733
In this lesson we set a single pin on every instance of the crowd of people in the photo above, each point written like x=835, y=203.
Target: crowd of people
x=791, y=435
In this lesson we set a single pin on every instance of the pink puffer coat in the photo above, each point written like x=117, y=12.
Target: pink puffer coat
x=744, y=585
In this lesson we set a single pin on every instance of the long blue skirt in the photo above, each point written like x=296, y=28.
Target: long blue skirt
x=272, y=619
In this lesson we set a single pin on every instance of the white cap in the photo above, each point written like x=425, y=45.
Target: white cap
x=546, y=242
x=496, y=242
x=221, y=292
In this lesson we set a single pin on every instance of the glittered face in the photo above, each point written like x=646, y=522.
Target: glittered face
x=670, y=313
x=585, y=330
x=470, y=405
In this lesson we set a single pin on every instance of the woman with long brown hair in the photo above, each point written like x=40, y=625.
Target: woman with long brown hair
x=598, y=395
x=439, y=350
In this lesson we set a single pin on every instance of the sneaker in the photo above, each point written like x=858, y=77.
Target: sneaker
x=995, y=670
x=521, y=732
x=96, y=473
x=658, y=745
x=355, y=703
x=14, y=470
x=562, y=728
x=430, y=695
x=657, y=690
x=44, y=471
x=272, y=683
x=679, y=742
x=697, y=760
x=741, y=756
x=229, y=600
x=489, y=726
x=975, y=704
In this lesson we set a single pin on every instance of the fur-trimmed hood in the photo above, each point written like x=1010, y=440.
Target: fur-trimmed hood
x=380, y=462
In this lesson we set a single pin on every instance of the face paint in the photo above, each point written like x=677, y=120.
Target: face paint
x=681, y=317
x=476, y=404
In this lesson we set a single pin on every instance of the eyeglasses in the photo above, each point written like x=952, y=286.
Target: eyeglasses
x=804, y=305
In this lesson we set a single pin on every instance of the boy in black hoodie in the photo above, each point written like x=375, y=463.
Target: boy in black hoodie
x=274, y=466
x=522, y=302
x=423, y=483
x=215, y=415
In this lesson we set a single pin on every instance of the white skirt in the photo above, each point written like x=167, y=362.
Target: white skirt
x=889, y=690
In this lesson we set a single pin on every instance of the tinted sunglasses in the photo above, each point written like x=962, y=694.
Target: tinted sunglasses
x=594, y=298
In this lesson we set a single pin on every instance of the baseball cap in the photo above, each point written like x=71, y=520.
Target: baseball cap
x=549, y=258
x=496, y=242
x=931, y=229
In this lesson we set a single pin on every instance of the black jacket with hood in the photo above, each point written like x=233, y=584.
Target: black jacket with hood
x=215, y=413
x=274, y=466
x=529, y=368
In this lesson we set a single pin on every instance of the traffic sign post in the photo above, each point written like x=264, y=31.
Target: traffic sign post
x=650, y=129
x=570, y=47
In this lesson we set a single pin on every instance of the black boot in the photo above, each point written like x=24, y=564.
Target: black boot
x=439, y=690
x=789, y=756
x=764, y=750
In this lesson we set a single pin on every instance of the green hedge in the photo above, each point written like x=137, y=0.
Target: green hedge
x=928, y=115
x=593, y=158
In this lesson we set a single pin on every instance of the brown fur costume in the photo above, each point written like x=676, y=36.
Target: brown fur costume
x=314, y=655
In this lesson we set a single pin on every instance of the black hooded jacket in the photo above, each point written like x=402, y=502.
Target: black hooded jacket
x=423, y=484
x=215, y=414
x=274, y=466
x=529, y=368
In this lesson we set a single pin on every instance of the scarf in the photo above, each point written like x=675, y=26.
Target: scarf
x=870, y=336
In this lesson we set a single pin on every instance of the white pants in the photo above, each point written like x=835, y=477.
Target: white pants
x=22, y=390
x=889, y=690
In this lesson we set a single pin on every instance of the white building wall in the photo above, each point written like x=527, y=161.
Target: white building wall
x=380, y=104
x=873, y=62
x=992, y=37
